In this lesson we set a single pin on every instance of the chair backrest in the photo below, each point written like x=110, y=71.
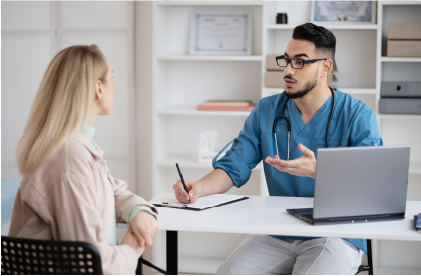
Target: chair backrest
x=27, y=256
x=9, y=188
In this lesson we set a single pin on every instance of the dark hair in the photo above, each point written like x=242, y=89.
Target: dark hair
x=323, y=39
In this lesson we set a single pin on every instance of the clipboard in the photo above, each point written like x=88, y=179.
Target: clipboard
x=212, y=201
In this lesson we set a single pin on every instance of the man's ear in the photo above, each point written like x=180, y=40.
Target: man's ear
x=327, y=67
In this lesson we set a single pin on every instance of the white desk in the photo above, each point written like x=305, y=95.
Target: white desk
x=267, y=215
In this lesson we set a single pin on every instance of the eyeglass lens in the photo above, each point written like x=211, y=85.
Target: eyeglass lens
x=296, y=63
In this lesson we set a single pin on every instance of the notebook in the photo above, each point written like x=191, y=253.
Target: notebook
x=202, y=203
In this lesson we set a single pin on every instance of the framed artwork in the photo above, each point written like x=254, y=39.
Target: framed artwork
x=343, y=12
x=220, y=33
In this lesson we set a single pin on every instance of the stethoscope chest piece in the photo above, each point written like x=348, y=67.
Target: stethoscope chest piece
x=288, y=125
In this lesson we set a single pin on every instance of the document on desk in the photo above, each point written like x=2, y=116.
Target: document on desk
x=202, y=203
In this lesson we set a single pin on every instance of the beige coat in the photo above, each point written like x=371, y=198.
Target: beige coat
x=68, y=198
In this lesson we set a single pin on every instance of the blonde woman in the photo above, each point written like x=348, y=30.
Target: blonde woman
x=67, y=192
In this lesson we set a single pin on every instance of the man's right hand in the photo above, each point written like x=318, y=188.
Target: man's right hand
x=130, y=239
x=192, y=187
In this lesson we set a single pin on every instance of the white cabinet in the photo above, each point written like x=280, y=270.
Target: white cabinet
x=180, y=82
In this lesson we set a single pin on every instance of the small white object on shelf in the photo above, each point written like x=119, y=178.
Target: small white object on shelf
x=207, y=143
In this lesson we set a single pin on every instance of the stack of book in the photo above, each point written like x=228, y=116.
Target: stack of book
x=224, y=105
x=404, y=39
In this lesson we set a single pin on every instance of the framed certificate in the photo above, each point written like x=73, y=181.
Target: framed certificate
x=343, y=12
x=220, y=33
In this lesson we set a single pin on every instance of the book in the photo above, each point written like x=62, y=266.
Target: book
x=225, y=107
x=227, y=103
x=417, y=223
x=202, y=203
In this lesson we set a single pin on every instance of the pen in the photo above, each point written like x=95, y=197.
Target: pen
x=182, y=180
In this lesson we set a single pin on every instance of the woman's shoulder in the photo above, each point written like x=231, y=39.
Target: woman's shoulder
x=73, y=160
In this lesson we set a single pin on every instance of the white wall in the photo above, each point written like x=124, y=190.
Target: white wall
x=32, y=33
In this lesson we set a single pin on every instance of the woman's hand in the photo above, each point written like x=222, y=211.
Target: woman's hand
x=145, y=228
x=303, y=166
x=130, y=239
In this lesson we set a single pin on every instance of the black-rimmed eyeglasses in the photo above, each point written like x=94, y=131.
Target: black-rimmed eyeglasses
x=282, y=61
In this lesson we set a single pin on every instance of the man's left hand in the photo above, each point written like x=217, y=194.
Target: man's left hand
x=145, y=228
x=303, y=166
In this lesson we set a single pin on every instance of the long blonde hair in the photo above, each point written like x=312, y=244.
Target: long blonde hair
x=62, y=105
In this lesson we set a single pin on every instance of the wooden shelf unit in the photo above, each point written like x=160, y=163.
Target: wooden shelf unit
x=182, y=81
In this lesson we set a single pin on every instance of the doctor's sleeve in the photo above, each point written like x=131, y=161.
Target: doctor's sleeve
x=364, y=130
x=245, y=152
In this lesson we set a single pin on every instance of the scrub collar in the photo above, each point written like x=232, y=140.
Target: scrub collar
x=88, y=132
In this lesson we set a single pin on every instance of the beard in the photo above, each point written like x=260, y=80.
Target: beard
x=301, y=93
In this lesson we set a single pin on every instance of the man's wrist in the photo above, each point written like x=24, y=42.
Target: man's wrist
x=199, y=189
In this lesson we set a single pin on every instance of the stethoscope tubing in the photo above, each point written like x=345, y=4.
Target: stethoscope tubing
x=289, y=125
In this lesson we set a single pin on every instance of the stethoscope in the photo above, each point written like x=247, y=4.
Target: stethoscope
x=289, y=125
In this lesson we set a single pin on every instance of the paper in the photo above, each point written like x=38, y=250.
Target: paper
x=201, y=203
x=220, y=32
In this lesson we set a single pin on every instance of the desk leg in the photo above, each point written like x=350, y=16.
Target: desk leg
x=172, y=252
x=370, y=258
x=139, y=270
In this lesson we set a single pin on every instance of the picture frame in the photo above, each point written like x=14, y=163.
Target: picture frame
x=220, y=32
x=343, y=12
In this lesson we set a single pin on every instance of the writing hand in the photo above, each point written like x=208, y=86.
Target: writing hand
x=182, y=196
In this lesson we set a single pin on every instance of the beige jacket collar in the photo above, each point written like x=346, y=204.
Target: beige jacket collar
x=93, y=148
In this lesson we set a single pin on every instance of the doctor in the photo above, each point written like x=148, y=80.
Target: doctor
x=314, y=116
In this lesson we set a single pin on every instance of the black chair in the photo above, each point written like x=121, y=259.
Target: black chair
x=27, y=256
x=369, y=266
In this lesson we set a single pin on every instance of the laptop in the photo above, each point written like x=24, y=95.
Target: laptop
x=358, y=184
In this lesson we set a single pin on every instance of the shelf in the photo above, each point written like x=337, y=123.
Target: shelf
x=184, y=161
x=270, y=91
x=399, y=116
x=400, y=59
x=390, y=3
x=209, y=3
x=415, y=168
x=210, y=58
x=364, y=91
x=192, y=111
x=396, y=271
x=330, y=27
x=189, y=162
x=198, y=265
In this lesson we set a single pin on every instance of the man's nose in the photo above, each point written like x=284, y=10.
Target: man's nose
x=289, y=70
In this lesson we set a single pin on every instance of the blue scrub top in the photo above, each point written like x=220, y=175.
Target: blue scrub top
x=353, y=124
